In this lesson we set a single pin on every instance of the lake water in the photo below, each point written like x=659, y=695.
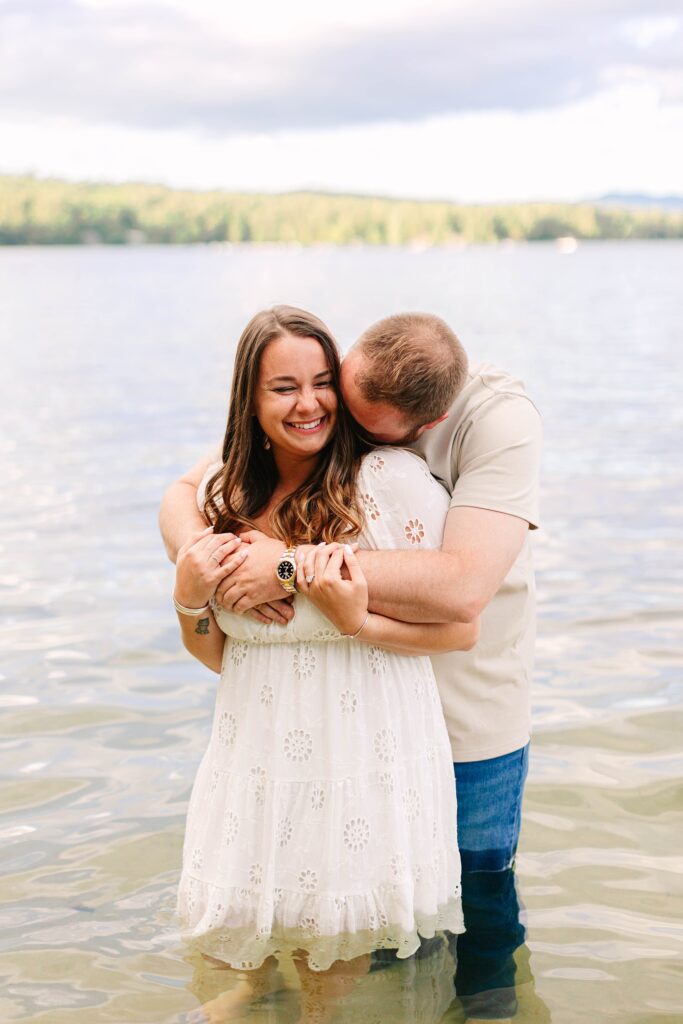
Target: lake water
x=115, y=370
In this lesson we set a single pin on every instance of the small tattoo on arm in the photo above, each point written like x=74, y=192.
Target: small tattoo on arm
x=202, y=627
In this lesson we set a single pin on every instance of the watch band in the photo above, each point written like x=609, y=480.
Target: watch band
x=290, y=584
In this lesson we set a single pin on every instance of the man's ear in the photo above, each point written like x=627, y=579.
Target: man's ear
x=428, y=426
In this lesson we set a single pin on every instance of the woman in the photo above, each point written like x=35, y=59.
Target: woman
x=323, y=815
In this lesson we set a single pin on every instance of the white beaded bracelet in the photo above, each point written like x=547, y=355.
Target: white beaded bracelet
x=192, y=612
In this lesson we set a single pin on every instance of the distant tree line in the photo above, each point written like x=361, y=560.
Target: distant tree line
x=50, y=212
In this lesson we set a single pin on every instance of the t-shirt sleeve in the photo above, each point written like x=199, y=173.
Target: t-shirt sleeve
x=403, y=505
x=499, y=457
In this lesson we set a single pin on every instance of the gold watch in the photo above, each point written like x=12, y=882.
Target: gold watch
x=286, y=571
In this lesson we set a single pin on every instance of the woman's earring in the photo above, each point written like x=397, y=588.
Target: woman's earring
x=266, y=442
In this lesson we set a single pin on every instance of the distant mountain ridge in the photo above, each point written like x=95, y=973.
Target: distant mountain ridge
x=641, y=200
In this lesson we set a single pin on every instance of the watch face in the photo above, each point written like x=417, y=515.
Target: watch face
x=286, y=571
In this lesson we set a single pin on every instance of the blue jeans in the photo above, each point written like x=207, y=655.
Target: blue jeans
x=490, y=809
x=489, y=817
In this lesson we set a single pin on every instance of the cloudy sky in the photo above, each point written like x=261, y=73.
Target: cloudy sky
x=473, y=100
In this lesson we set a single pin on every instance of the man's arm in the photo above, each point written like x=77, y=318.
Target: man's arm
x=451, y=585
x=494, y=502
x=179, y=516
x=180, y=519
x=343, y=599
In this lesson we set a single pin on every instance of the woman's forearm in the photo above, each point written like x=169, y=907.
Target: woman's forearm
x=419, y=637
x=203, y=639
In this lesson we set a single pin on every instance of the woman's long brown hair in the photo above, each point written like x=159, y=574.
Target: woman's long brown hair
x=324, y=507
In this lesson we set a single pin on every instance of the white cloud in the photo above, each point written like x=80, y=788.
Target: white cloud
x=469, y=101
x=164, y=65
x=622, y=140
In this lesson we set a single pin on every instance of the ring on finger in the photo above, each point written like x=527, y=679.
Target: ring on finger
x=310, y=577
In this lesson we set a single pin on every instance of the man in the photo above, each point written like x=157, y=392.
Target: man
x=406, y=381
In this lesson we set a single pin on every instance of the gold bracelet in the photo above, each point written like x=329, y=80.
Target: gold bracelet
x=194, y=613
x=352, y=636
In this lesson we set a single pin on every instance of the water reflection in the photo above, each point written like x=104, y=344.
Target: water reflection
x=482, y=975
x=418, y=990
x=115, y=369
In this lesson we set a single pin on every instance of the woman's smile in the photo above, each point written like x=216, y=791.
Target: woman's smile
x=308, y=426
x=296, y=403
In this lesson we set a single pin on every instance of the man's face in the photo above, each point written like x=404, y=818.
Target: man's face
x=379, y=422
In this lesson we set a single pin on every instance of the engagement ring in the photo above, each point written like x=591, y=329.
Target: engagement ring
x=309, y=579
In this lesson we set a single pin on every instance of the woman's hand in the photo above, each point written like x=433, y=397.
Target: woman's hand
x=319, y=576
x=203, y=562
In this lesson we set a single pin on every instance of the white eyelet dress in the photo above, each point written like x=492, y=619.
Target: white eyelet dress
x=323, y=815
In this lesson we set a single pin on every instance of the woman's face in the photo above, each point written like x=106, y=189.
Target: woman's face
x=295, y=400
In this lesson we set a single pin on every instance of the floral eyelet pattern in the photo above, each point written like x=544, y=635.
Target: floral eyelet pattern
x=227, y=729
x=230, y=828
x=378, y=661
x=371, y=507
x=192, y=897
x=310, y=926
x=217, y=914
x=304, y=661
x=385, y=745
x=414, y=531
x=330, y=761
x=284, y=831
x=255, y=874
x=266, y=695
x=238, y=652
x=348, y=702
x=298, y=745
x=356, y=834
x=411, y=804
x=398, y=865
x=308, y=880
x=386, y=781
x=257, y=775
x=326, y=634
x=317, y=797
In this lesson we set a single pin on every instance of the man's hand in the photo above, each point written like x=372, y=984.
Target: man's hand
x=275, y=611
x=254, y=585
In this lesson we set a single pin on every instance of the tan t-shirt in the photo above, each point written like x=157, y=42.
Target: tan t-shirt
x=487, y=454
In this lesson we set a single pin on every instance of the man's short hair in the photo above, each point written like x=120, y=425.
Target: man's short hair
x=414, y=362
